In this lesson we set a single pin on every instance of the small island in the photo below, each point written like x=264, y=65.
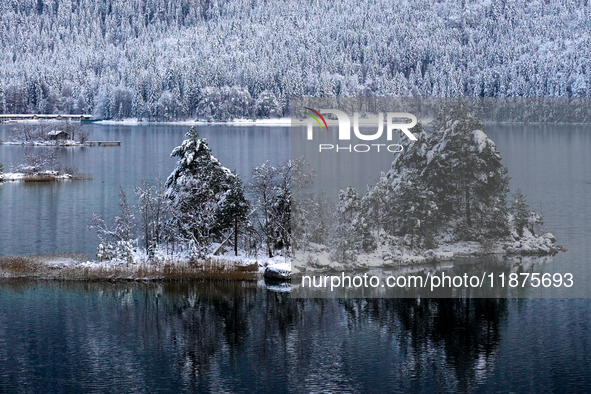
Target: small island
x=446, y=196
x=40, y=167
x=52, y=133
x=47, y=133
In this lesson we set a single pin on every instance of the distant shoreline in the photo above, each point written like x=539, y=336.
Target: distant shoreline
x=275, y=122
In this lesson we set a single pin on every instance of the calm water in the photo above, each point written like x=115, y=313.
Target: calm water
x=243, y=338
x=100, y=337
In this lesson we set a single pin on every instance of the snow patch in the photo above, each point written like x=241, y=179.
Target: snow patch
x=277, y=122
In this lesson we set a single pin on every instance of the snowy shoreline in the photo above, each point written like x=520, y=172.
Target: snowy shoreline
x=78, y=268
x=37, y=177
x=51, y=144
x=275, y=122
x=318, y=258
x=279, y=268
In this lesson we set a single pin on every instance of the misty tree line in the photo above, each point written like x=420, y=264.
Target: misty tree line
x=219, y=59
x=449, y=184
x=202, y=203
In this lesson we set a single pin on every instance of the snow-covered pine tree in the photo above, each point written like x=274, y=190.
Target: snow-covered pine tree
x=197, y=187
x=346, y=243
x=417, y=209
x=520, y=212
x=267, y=105
x=376, y=201
x=363, y=230
x=534, y=220
x=463, y=169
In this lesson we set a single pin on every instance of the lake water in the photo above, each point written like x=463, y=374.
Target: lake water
x=228, y=338
x=99, y=337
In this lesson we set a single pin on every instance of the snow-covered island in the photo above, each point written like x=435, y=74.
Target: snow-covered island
x=49, y=133
x=318, y=258
x=197, y=225
x=445, y=197
x=43, y=166
x=40, y=176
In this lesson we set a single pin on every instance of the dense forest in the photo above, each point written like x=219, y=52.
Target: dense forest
x=221, y=59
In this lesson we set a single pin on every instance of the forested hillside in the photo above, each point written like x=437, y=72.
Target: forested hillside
x=218, y=59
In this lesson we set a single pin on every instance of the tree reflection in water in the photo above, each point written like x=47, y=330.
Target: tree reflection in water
x=238, y=336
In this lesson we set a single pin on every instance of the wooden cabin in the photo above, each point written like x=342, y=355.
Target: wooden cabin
x=58, y=135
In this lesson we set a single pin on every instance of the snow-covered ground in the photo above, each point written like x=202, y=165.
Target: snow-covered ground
x=284, y=122
x=161, y=266
x=44, y=175
x=318, y=258
x=43, y=143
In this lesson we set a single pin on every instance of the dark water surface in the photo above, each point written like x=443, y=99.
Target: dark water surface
x=98, y=337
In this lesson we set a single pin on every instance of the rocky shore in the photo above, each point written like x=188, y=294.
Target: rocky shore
x=318, y=258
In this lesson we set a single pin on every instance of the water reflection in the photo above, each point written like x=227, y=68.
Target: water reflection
x=228, y=337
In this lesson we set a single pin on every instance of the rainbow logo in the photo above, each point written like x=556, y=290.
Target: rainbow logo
x=315, y=118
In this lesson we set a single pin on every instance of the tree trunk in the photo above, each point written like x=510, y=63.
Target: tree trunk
x=468, y=214
x=236, y=236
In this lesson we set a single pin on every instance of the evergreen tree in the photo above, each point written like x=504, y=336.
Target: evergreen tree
x=533, y=220
x=461, y=166
x=234, y=209
x=346, y=242
x=417, y=209
x=470, y=175
x=520, y=212
x=197, y=187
